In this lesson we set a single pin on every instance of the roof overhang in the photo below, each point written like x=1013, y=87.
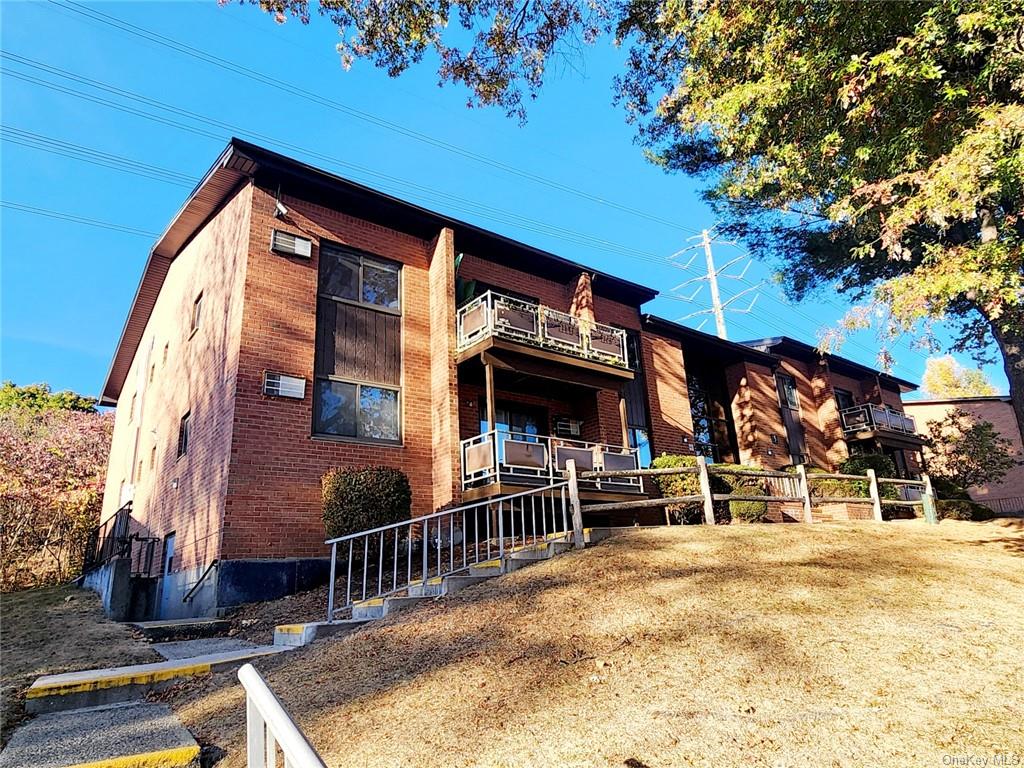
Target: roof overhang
x=241, y=162
x=727, y=350
x=790, y=347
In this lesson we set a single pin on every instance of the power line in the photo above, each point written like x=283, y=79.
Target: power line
x=75, y=219
x=273, y=82
x=403, y=185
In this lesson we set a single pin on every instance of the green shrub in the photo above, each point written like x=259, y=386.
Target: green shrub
x=962, y=509
x=679, y=485
x=883, y=466
x=947, y=489
x=359, y=498
x=858, y=465
x=748, y=511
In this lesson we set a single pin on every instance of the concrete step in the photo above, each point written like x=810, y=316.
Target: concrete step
x=97, y=687
x=486, y=568
x=432, y=588
x=296, y=635
x=453, y=584
x=367, y=610
x=136, y=735
x=174, y=629
x=396, y=604
x=201, y=646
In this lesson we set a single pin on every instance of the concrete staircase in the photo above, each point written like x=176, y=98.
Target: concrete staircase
x=99, y=717
x=371, y=609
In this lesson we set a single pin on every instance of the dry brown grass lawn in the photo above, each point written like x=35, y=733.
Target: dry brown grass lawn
x=43, y=632
x=835, y=644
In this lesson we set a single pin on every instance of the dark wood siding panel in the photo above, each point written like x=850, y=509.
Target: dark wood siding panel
x=359, y=343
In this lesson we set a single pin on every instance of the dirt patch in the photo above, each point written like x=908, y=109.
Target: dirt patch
x=53, y=630
x=256, y=621
x=755, y=645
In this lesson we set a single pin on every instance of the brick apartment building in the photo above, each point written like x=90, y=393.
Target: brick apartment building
x=1006, y=496
x=289, y=321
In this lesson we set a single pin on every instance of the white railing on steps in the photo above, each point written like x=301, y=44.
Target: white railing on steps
x=419, y=552
x=270, y=732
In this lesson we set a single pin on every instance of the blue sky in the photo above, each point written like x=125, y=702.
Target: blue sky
x=65, y=286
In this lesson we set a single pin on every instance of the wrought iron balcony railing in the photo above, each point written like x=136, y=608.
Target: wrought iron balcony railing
x=494, y=314
x=871, y=417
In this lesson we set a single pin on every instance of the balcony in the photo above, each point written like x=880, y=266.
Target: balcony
x=871, y=418
x=526, y=459
x=496, y=316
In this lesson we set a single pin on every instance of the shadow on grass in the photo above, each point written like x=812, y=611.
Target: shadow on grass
x=522, y=626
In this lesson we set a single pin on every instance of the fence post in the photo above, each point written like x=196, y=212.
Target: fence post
x=876, y=498
x=805, y=491
x=330, y=593
x=705, y=490
x=928, y=500
x=574, y=502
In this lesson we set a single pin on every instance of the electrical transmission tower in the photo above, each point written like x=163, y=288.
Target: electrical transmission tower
x=718, y=307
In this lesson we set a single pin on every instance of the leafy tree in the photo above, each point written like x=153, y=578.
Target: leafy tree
x=945, y=377
x=967, y=452
x=38, y=397
x=873, y=148
x=52, y=470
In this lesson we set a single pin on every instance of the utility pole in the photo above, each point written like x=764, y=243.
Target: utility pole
x=718, y=307
x=716, y=297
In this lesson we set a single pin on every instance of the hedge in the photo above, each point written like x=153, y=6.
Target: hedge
x=359, y=498
x=689, y=485
x=962, y=509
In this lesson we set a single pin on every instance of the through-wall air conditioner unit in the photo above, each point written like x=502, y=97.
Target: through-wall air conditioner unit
x=288, y=244
x=568, y=427
x=280, y=385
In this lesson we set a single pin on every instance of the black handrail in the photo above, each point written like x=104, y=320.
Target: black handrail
x=210, y=567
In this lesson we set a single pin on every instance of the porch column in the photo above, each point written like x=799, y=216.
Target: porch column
x=623, y=419
x=489, y=394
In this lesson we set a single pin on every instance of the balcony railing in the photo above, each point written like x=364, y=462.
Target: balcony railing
x=870, y=417
x=494, y=314
x=509, y=456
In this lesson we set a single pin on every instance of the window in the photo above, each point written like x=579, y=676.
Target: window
x=362, y=411
x=350, y=276
x=167, y=348
x=138, y=472
x=184, y=432
x=788, y=395
x=197, y=313
x=844, y=399
x=152, y=458
x=152, y=372
x=131, y=411
x=713, y=433
x=639, y=439
x=357, y=391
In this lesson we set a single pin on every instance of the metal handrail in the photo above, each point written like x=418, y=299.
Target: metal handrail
x=192, y=591
x=539, y=334
x=448, y=541
x=269, y=726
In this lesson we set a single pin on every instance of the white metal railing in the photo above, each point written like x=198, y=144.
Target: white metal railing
x=495, y=314
x=270, y=731
x=872, y=416
x=512, y=455
x=414, y=553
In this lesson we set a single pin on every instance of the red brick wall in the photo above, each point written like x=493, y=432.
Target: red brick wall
x=185, y=495
x=273, y=505
x=553, y=294
x=756, y=415
x=1000, y=414
x=443, y=374
x=667, y=397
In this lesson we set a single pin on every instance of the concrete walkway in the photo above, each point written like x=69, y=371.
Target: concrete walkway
x=133, y=734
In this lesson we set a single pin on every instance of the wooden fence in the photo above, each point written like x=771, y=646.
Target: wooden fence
x=775, y=486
